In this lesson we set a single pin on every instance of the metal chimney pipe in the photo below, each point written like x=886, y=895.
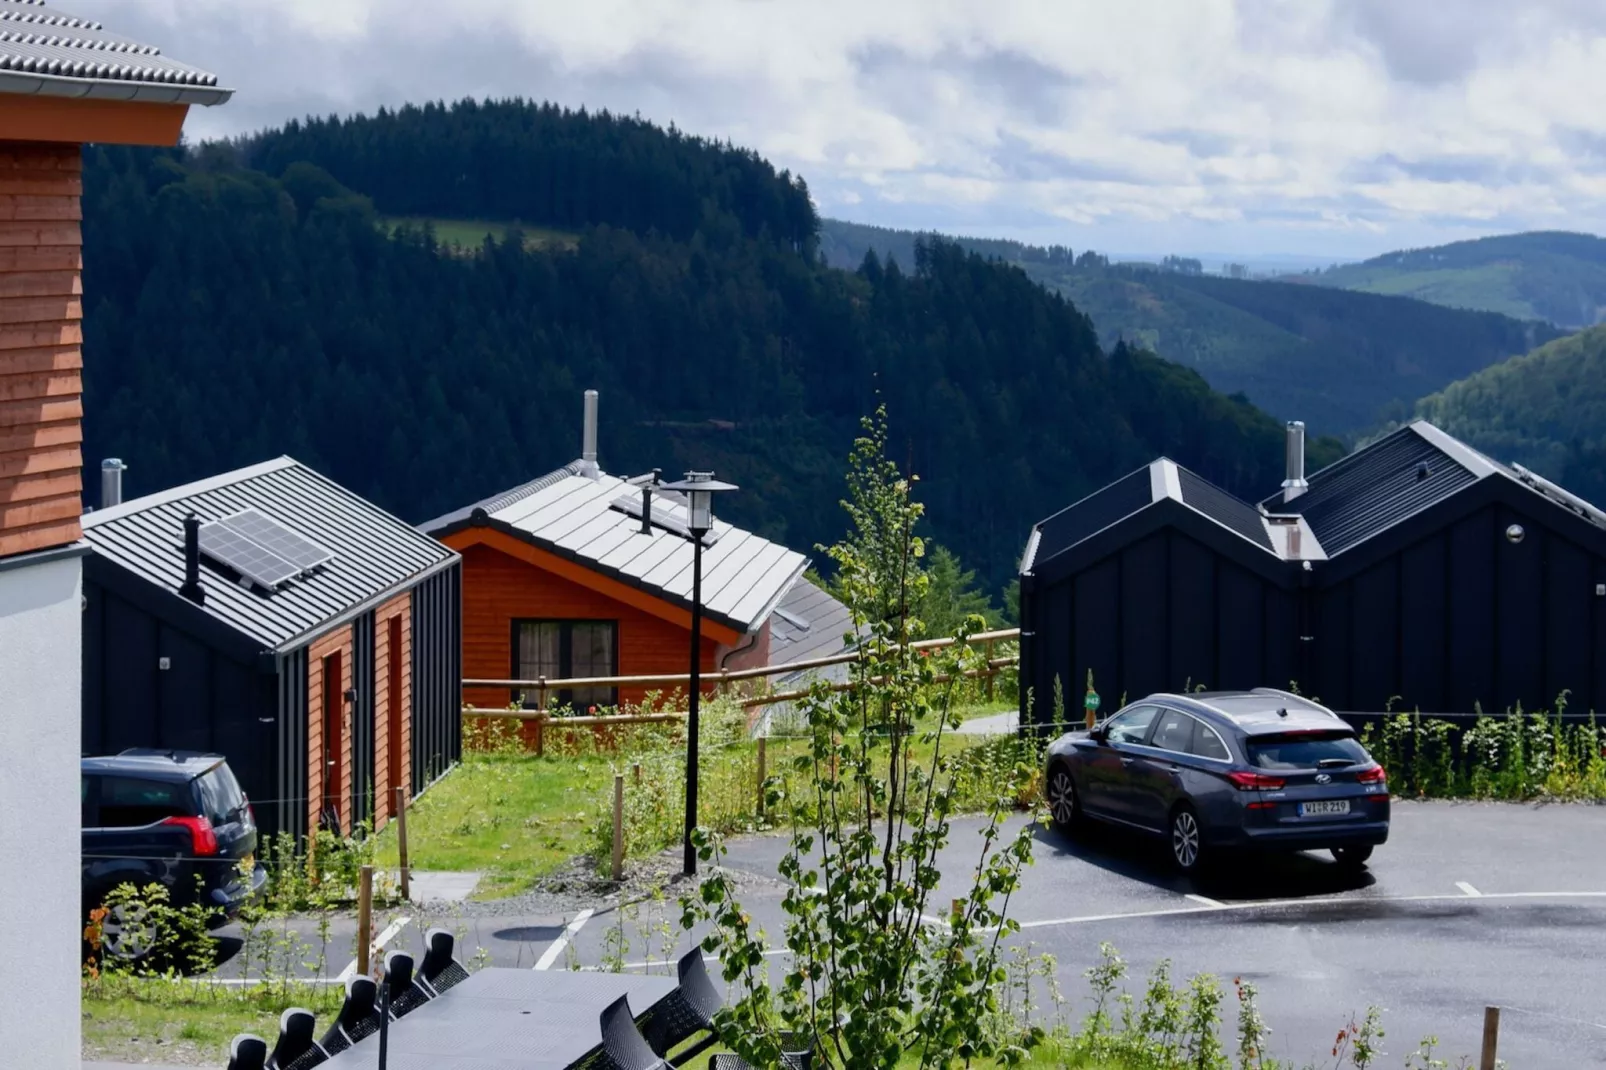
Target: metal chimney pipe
x=646, y=502
x=588, y=442
x=192, y=560
x=1294, y=485
x=111, y=482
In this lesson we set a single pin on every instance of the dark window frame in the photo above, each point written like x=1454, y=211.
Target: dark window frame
x=563, y=696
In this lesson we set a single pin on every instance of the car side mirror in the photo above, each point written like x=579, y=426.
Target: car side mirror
x=1099, y=733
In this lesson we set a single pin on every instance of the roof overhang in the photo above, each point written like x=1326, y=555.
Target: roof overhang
x=520, y=545
x=109, y=121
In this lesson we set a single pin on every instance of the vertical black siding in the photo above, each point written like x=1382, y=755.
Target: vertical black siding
x=1569, y=626
x=1097, y=597
x=1144, y=634
x=1240, y=625
x=362, y=718
x=1424, y=604
x=437, y=675
x=1519, y=624
x=1473, y=607
x=1192, y=617
x=291, y=806
x=1374, y=641
x=1282, y=638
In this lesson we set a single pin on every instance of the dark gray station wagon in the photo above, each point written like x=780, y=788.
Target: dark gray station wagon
x=1258, y=769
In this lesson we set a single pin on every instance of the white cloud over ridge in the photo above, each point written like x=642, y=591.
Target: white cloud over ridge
x=1338, y=127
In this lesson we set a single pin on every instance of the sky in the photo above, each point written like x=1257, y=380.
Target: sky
x=1327, y=129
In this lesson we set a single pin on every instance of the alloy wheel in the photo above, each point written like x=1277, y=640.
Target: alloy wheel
x=127, y=933
x=1185, y=839
x=1062, y=798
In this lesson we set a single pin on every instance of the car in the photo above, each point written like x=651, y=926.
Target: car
x=168, y=817
x=1215, y=772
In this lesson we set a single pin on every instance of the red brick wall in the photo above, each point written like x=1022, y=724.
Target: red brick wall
x=336, y=641
x=41, y=384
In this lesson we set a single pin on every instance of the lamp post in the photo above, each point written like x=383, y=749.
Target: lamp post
x=699, y=489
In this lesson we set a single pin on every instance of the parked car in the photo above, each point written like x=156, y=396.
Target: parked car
x=174, y=818
x=1210, y=772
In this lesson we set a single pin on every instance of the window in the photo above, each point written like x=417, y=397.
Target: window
x=565, y=650
x=129, y=803
x=1306, y=752
x=1133, y=725
x=1207, y=743
x=221, y=797
x=1174, y=733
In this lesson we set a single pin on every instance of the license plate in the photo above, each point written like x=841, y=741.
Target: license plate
x=1329, y=806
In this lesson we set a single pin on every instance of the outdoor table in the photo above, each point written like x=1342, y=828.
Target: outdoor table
x=499, y=1019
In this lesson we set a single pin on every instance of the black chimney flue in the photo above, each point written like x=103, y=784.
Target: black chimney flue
x=646, y=502
x=192, y=561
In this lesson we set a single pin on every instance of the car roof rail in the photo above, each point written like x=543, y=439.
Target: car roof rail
x=1308, y=703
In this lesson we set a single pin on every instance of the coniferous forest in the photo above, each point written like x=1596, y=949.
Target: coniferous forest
x=245, y=301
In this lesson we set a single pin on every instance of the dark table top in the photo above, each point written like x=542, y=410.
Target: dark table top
x=500, y=1019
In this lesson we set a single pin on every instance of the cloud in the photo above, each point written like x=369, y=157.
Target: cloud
x=1343, y=127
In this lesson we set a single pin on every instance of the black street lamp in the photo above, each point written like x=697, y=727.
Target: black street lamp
x=699, y=489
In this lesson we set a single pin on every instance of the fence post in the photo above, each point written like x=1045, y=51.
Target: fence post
x=1491, y=1037
x=991, y=672
x=618, y=826
x=637, y=768
x=365, y=919
x=540, y=721
x=401, y=840
x=761, y=774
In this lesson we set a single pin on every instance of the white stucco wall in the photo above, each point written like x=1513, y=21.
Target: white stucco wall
x=41, y=628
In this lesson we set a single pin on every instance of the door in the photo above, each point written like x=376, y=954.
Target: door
x=1156, y=772
x=334, y=739
x=1109, y=760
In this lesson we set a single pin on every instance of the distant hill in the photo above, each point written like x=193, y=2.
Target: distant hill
x=1545, y=410
x=1549, y=275
x=1337, y=359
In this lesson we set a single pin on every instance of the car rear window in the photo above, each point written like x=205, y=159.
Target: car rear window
x=128, y=802
x=1304, y=751
x=220, y=794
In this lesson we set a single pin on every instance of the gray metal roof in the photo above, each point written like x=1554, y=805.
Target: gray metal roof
x=590, y=520
x=46, y=51
x=375, y=553
x=809, y=623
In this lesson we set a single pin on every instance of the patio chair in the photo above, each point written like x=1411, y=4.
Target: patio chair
x=296, y=1048
x=406, y=995
x=623, y=1046
x=248, y=1052
x=790, y=1060
x=439, y=970
x=686, y=1011
x=358, y=1017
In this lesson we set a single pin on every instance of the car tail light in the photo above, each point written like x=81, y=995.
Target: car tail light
x=203, y=841
x=1372, y=775
x=250, y=811
x=1246, y=781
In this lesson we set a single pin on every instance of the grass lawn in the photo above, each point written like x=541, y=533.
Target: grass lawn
x=470, y=234
x=186, y=1023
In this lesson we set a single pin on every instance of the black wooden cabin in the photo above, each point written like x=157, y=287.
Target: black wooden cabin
x=1415, y=572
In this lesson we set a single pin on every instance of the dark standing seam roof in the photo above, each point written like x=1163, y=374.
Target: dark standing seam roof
x=373, y=550
x=1094, y=513
x=1350, y=501
x=1209, y=499
x=827, y=620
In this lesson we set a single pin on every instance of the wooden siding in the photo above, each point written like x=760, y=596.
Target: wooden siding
x=398, y=608
x=339, y=642
x=499, y=589
x=41, y=362
x=76, y=120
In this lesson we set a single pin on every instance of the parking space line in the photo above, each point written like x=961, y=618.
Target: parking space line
x=1467, y=889
x=1214, y=904
x=556, y=947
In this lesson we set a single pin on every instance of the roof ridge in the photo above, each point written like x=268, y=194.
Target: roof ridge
x=186, y=490
x=514, y=495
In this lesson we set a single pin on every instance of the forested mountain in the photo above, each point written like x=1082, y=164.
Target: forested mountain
x=1549, y=275
x=1545, y=410
x=1337, y=359
x=233, y=315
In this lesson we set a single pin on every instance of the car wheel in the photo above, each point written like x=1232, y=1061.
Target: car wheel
x=127, y=932
x=1352, y=857
x=1064, y=805
x=1187, y=840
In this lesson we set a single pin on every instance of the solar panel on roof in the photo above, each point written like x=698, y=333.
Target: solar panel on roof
x=229, y=548
x=277, y=539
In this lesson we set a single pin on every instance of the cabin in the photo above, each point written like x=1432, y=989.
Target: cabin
x=1416, y=573
x=274, y=617
x=64, y=81
x=581, y=574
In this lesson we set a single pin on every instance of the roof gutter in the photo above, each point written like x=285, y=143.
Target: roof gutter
x=23, y=83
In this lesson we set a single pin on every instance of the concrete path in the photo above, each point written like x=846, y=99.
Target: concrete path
x=440, y=887
x=999, y=724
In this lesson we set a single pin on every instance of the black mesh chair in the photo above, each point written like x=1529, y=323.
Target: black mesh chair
x=790, y=1060
x=686, y=1011
x=358, y=1018
x=623, y=1046
x=295, y=1042
x=406, y=995
x=439, y=970
x=248, y=1052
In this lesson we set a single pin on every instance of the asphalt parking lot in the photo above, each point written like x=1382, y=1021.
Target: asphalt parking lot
x=1469, y=904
